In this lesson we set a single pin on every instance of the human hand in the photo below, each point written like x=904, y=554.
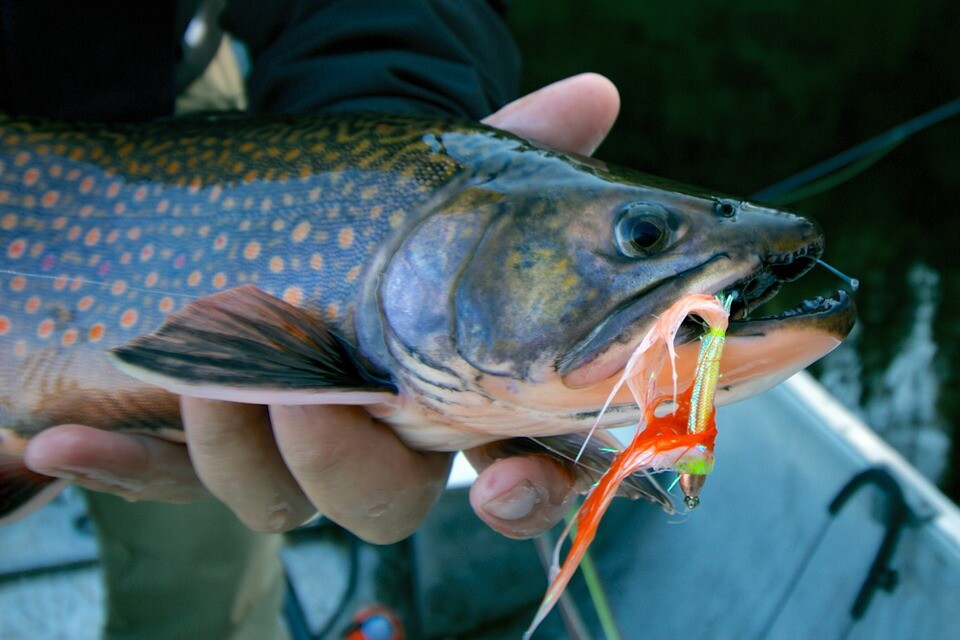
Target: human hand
x=277, y=466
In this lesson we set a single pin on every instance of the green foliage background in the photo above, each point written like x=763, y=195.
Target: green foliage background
x=736, y=95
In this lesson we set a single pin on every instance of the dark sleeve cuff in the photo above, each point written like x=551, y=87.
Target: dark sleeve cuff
x=451, y=57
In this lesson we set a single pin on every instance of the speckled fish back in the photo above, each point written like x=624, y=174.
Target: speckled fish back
x=105, y=231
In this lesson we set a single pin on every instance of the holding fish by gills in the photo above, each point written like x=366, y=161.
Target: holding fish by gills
x=468, y=287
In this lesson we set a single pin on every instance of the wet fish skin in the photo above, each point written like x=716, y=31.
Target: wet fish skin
x=470, y=282
x=106, y=231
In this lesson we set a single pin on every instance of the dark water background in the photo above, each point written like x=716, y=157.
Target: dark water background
x=739, y=95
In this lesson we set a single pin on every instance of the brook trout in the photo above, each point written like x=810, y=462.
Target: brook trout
x=467, y=286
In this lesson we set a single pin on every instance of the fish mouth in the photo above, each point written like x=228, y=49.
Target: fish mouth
x=761, y=350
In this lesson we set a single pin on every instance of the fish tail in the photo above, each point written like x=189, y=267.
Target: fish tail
x=22, y=490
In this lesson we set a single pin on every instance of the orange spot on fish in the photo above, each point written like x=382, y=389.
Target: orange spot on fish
x=8, y=222
x=126, y=257
x=74, y=232
x=265, y=205
x=95, y=333
x=69, y=337
x=151, y=279
x=118, y=287
x=59, y=223
x=32, y=305
x=86, y=185
x=55, y=171
x=220, y=280
x=128, y=318
x=293, y=295
x=345, y=237
x=113, y=235
x=50, y=198
x=163, y=206
x=300, y=232
x=250, y=176
x=113, y=190
x=119, y=208
x=352, y=274
x=4, y=325
x=316, y=262
x=60, y=283
x=45, y=328
x=18, y=283
x=177, y=231
x=21, y=159
x=276, y=264
x=76, y=283
x=140, y=194
x=146, y=253
x=4, y=196
x=215, y=193
x=92, y=237
x=17, y=248
x=194, y=278
x=166, y=304
x=252, y=250
x=85, y=303
x=219, y=242
x=195, y=184
x=20, y=348
x=134, y=233
x=36, y=249
x=333, y=310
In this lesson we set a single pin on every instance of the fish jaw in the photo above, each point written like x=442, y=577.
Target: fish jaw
x=760, y=354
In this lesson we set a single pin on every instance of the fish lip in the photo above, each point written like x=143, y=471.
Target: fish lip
x=766, y=278
x=835, y=314
x=594, y=343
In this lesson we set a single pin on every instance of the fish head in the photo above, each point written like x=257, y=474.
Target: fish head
x=539, y=295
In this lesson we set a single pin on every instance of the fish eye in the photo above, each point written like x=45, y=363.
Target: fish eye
x=640, y=232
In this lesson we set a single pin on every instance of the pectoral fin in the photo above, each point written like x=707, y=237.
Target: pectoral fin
x=245, y=345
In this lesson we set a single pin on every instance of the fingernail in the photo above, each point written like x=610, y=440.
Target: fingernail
x=516, y=503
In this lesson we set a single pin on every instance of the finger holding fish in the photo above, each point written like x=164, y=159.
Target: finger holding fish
x=133, y=466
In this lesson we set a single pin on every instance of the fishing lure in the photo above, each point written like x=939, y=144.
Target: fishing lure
x=678, y=432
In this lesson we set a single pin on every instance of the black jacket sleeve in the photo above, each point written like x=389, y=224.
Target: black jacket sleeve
x=451, y=57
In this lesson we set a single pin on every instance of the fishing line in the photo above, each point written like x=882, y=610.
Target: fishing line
x=854, y=283
x=795, y=578
x=881, y=143
x=97, y=283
